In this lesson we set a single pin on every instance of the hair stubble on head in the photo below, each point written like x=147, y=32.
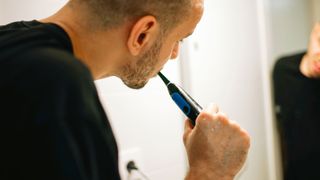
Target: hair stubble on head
x=112, y=13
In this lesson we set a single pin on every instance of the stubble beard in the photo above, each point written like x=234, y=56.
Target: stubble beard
x=137, y=76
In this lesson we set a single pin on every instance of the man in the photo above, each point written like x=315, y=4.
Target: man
x=297, y=96
x=53, y=124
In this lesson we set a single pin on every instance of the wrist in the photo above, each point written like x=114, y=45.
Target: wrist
x=197, y=174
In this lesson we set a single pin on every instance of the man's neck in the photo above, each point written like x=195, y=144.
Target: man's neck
x=99, y=50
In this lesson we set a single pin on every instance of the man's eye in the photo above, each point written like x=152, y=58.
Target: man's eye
x=181, y=41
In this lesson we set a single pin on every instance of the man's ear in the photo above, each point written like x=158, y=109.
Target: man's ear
x=143, y=31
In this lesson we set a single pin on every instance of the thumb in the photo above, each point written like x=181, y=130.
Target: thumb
x=212, y=108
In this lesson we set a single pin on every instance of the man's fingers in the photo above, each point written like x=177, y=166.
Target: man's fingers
x=187, y=130
x=188, y=125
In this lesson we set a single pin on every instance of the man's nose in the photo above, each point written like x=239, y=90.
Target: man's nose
x=175, y=51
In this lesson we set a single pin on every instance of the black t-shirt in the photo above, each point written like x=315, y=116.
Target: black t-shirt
x=298, y=105
x=52, y=123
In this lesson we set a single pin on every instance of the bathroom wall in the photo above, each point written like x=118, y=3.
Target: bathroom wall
x=316, y=10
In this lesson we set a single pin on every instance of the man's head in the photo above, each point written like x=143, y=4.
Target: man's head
x=151, y=31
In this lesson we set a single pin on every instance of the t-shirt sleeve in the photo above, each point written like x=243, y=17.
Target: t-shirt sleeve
x=57, y=128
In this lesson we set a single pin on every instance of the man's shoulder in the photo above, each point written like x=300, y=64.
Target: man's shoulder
x=51, y=62
x=289, y=63
x=48, y=69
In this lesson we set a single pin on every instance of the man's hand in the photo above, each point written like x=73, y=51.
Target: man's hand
x=217, y=147
x=310, y=64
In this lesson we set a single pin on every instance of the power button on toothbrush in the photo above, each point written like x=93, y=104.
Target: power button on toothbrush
x=183, y=105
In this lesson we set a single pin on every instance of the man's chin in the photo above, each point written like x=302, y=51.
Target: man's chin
x=137, y=85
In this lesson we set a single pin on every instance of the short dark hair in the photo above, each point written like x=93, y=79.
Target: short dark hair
x=111, y=13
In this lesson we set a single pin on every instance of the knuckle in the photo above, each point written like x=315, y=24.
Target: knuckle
x=246, y=138
x=222, y=118
x=222, y=115
x=235, y=125
x=204, y=116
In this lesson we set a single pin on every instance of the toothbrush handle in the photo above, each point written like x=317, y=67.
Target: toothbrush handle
x=185, y=102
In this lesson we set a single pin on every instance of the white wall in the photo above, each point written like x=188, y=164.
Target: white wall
x=13, y=10
x=2, y=19
x=316, y=10
x=291, y=23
